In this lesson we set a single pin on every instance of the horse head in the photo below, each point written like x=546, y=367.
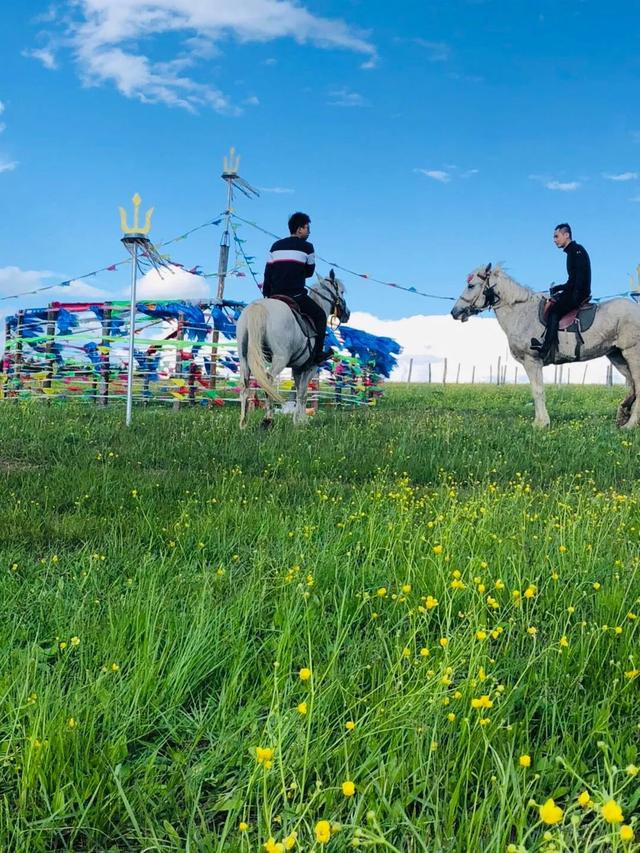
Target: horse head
x=330, y=292
x=478, y=295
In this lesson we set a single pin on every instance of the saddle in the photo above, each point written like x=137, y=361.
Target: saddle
x=579, y=319
x=293, y=305
x=576, y=321
x=307, y=325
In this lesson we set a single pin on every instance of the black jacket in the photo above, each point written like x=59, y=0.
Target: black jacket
x=290, y=263
x=578, y=286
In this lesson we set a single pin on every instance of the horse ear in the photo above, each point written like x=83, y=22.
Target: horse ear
x=487, y=269
x=332, y=275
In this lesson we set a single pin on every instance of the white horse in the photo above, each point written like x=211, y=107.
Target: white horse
x=615, y=333
x=269, y=327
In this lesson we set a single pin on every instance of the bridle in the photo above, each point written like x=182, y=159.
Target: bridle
x=491, y=298
x=335, y=301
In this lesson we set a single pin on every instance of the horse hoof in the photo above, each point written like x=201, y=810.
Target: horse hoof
x=266, y=423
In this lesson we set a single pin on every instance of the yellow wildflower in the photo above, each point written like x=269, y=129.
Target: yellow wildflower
x=525, y=761
x=273, y=846
x=482, y=702
x=243, y=826
x=584, y=799
x=444, y=642
x=349, y=725
x=264, y=755
x=75, y=641
x=304, y=674
x=348, y=788
x=382, y=591
x=481, y=635
x=71, y=723
x=550, y=813
x=626, y=833
x=406, y=588
x=290, y=841
x=323, y=831
x=564, y=642
x=430, y=602
x=438, y=549
x=612, y=812
x=302, y=708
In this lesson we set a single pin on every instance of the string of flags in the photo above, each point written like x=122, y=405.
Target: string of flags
x=336, y=265
x=247, y=261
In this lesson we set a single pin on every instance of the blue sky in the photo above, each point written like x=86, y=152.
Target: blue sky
x=422, y=138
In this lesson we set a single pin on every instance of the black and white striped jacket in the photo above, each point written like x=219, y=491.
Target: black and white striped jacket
x=290, y=263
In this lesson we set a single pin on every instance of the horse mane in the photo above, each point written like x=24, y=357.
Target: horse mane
x=529, y=291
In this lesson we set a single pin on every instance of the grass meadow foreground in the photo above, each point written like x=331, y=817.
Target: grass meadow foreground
x=412, y=628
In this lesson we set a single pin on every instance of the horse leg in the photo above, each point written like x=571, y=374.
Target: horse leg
x=244, y=393
x=533, y=369
x=302, y=384
x=631, y=357
x=278, y=364
x=624, y=409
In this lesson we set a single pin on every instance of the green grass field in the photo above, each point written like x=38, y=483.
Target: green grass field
x=206, y=633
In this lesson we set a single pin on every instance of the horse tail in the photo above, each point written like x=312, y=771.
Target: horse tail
x=256, y=326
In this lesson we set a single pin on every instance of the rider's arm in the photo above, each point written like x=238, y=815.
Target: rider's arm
x=310, y=266
x=578, y=270
x=266, y=284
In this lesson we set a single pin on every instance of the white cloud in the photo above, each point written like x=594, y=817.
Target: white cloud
x=623, y=176
x=567, y=186
x=44, y=55
x=277, y=190
x=438, y=51
x=174, y=283
x=252, y=101
x=111, y=42
x=435, y=174
x=7, y=165
x=429, y=339
x=345, y=98
x=14, y=280
x=2, y=107
x=552, y=184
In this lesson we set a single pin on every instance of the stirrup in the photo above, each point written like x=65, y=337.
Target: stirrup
x=323, y=356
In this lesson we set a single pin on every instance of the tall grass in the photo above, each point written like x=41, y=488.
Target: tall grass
x=463, y=590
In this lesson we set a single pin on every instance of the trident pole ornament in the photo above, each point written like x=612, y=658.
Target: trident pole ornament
x=135, y=236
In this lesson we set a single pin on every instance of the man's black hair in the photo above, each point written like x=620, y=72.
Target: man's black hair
x=565, y=228
x=297, y=220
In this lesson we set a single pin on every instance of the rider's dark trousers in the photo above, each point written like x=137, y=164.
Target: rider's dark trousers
x=313, y=310
x=563, y=303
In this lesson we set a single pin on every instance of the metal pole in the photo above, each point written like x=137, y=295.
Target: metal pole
x=132, y=328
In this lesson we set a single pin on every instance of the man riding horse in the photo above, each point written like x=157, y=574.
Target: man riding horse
x=565, y=297
x=291, y=262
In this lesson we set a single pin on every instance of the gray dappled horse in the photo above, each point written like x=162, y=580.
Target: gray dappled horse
x=614, y=333
x=268, y=326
